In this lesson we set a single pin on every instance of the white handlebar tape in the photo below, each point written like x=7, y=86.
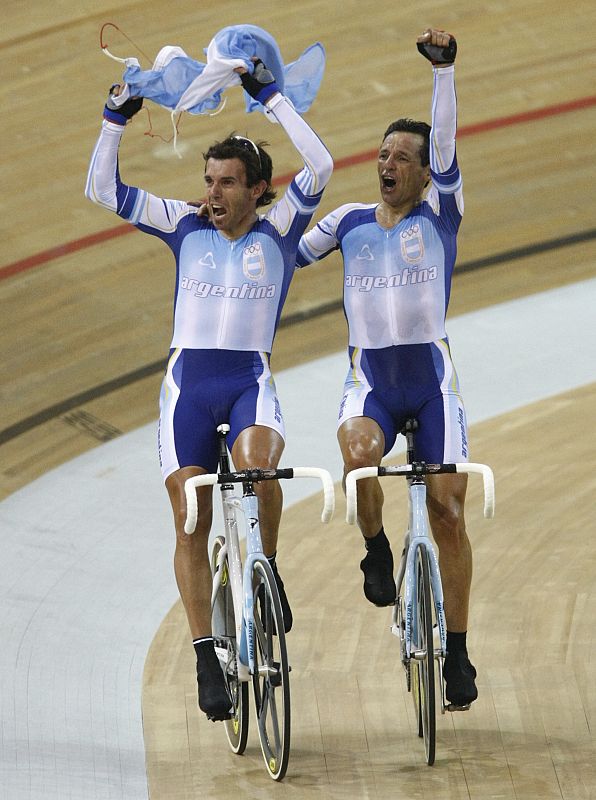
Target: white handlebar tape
x=210, y=479
x=372, y=472
x=351, y=478
x=328, y=490
x=488, y=482
x=190, y=486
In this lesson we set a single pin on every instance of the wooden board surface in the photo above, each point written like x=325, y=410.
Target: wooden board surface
x=530, y=734
x=78, y=319
x=84, y=328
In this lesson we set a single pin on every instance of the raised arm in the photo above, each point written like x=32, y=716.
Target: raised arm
x=444, y=122
x=150, y=213
x=445, y=196
x=104, y=186
x=318, y=163
x=440, y=48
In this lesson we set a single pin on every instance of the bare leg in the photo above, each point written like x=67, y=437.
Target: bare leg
x=362, y=442
x=262, y=447
x=191, y=557
x=259, y=446
x=445, y=502
x=193, y=575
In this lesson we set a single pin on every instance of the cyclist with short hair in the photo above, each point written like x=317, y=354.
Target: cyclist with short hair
x=398, y=257
x=233, y=271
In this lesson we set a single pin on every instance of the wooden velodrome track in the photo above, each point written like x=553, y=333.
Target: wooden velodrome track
x=85, y=326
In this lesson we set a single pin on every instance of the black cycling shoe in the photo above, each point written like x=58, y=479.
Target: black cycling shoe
x=459, y=675
x=214, y=697
x=379, y=585
x=283, y=599
x=285, y=605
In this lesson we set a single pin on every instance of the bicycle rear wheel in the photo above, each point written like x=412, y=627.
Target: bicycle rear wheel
x=425, y=657
x=224, y=633
x=271, y=679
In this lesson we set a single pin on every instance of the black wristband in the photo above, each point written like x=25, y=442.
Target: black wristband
x=113, y=116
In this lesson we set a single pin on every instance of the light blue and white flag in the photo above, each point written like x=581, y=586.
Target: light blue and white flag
x=181, y=83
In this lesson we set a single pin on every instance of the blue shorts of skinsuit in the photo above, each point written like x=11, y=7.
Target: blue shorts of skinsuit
x=206, y=388
x=391, y=384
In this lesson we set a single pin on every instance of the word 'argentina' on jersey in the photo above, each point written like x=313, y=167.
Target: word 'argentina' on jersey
x=405, y=277
x=247, y=291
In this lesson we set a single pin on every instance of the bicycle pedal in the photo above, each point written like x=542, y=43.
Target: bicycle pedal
x=275, y=679
x=219, y=717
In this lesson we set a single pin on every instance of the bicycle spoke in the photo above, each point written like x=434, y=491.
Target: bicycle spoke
x=224, y=632
x=271, y=673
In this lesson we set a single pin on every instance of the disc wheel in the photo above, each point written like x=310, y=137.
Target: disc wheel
x=271, y=679
x=425, y=658
x=224, y=634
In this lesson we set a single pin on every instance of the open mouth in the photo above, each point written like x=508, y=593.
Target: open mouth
x=388, y=182
x=217, y=211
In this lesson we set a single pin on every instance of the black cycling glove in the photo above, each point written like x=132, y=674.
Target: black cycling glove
x=439, y=55
x=121, y=114
x=261, y=84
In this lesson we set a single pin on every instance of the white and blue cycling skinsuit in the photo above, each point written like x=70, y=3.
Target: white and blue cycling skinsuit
x=396, y=292
x=229, y=295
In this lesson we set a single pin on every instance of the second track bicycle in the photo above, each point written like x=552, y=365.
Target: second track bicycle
x=418, y=616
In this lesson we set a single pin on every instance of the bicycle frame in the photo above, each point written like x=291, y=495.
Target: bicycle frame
x=239, y=577
x=417, y=536
x=247, y=504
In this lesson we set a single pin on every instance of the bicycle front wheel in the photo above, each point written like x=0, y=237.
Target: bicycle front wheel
x=224, y=634
x=425, y=656
x=271, y=679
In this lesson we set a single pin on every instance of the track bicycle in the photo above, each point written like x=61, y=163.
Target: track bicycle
x=418, y=616
x=247, y=619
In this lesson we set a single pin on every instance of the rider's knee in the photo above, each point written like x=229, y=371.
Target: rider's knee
x=200, y=532
x=362, y=451
x=447, y=522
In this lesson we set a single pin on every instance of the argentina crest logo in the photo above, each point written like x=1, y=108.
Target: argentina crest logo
x=253, y=261
x=412, y=244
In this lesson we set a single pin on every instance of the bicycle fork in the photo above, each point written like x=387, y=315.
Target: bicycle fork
x=231, y=550
x=404, y=612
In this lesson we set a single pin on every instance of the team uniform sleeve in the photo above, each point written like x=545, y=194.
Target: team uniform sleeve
x=445, y=195
x=292, y=213
x=318, y=164
x=319, y=241
x=141, y=208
